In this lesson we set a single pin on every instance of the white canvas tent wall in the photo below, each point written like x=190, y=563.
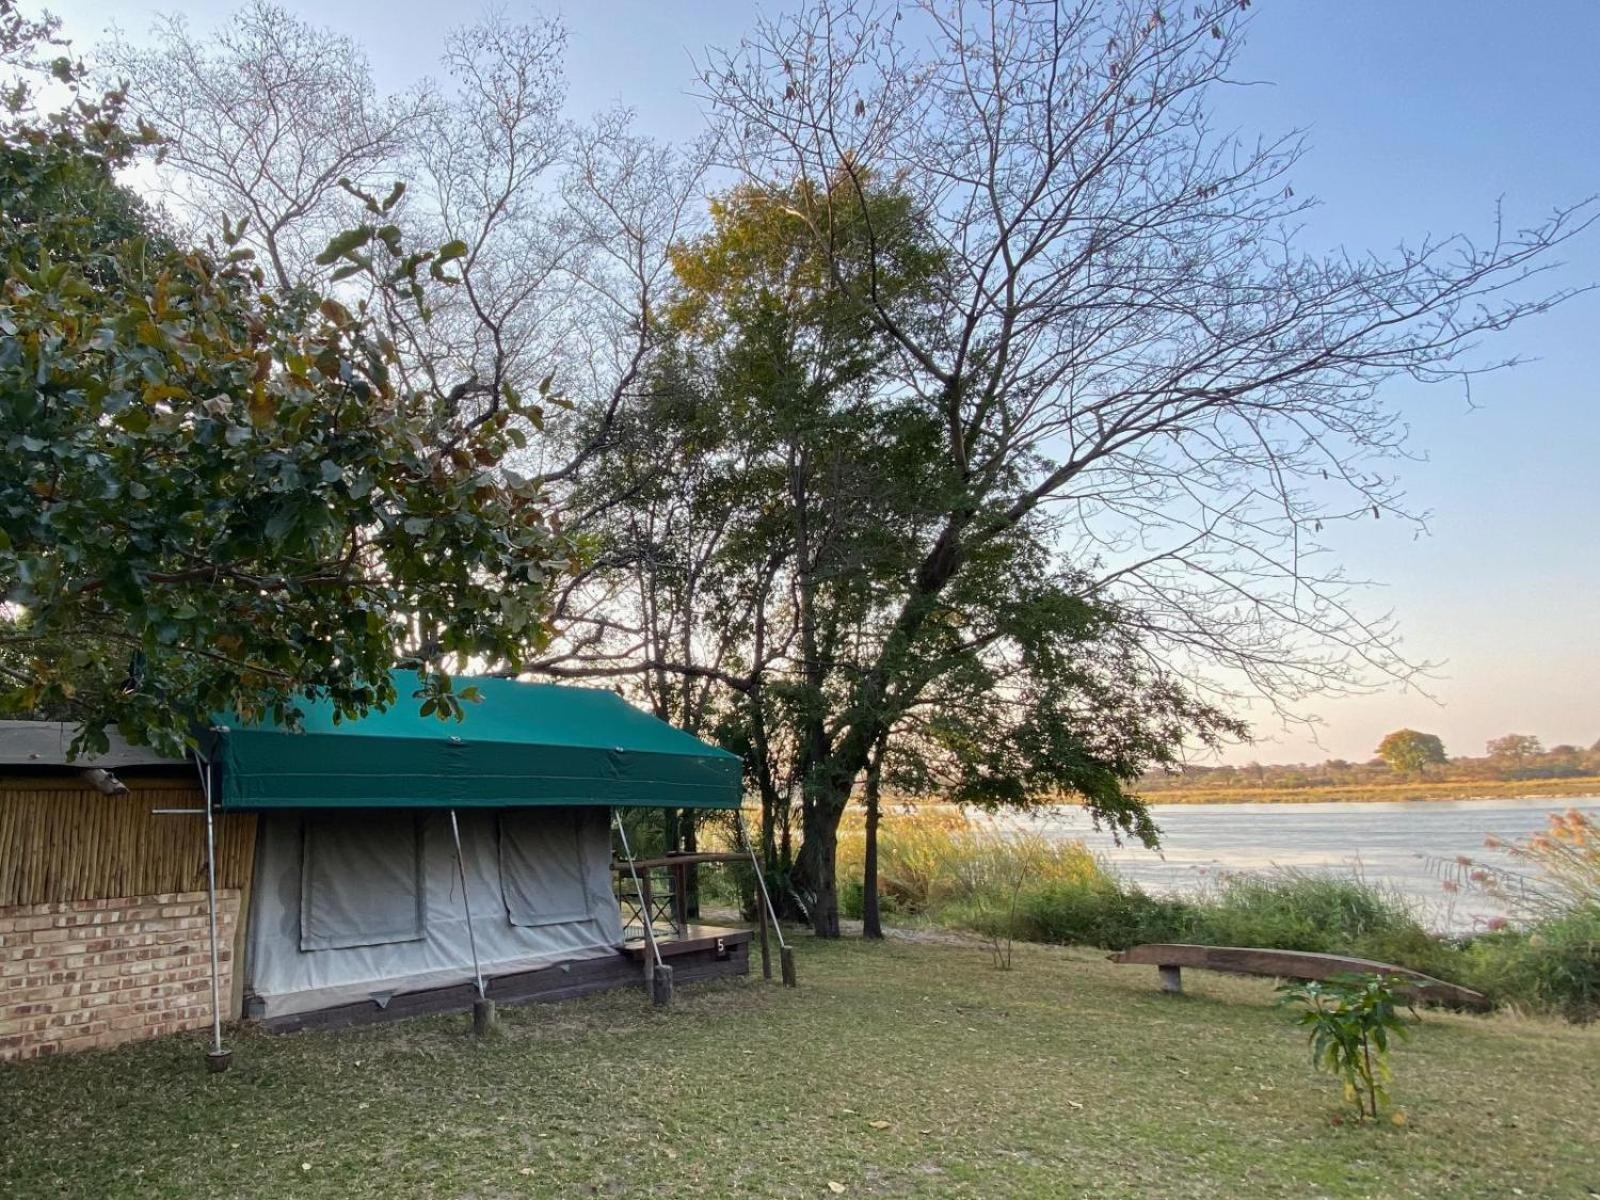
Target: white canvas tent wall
x=330, y=922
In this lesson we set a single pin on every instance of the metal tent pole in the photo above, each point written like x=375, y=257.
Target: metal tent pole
x=482, y=1007
x=659, y=974
x=219, y=1059
x=466, y=901
x=785, y=951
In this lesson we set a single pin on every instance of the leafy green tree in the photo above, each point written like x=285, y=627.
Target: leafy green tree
x=770, y=559
x=1406, y=750
x=215, y=495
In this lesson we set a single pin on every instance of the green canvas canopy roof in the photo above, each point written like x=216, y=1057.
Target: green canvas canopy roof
x=523, y=744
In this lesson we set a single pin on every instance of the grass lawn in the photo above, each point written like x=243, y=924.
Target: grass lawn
x=1066, y=1077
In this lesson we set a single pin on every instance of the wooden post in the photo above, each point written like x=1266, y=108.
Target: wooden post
x=786, y=957
x=483, y=1018
x=661, y=986
x=1171, y=979
x=766, y=950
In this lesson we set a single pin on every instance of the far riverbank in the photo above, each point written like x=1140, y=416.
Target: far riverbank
x=1570, y=787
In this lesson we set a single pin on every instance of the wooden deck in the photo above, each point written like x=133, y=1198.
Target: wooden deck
x=692, y=940
x=711, y=952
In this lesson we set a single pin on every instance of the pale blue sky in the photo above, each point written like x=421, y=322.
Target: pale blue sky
x=1421, y=115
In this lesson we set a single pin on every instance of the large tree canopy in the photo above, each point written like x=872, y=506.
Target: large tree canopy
x=216, y=493
x=762, y=515
x=562, y=227
x=1126, y=349
x=985, y=437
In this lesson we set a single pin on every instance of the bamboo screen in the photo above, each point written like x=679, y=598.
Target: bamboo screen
x=61, y=840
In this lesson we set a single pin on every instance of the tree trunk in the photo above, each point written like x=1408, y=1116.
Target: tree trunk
x=871, y=920
x=816, y=866
x=691, y=844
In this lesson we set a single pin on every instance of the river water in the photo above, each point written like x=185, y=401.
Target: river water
x=1411, y=847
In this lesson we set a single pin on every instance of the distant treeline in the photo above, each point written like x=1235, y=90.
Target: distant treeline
x=1517, y=759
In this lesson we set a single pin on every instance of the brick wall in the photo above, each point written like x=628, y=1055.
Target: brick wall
x=97, y=972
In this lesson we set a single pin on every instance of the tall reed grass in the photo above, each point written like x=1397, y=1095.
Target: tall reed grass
x=933, y=857
x=1551, y=874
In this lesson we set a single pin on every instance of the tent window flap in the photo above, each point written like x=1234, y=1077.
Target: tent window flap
x=541, y=867
x=361, y=881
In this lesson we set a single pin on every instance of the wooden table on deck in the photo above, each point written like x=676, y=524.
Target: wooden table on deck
x=679, y=865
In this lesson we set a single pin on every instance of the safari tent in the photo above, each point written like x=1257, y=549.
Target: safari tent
x=360, y=894
x=353, y=870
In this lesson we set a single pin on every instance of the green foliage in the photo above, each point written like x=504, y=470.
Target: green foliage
x=1407, y=750
x=1282, y=911
x=937, y=866
x=852, y=901
x=1350, y=1023
x=1547, y=955
x=1102, y=913
x=963, y=878
x=216, y=496
x=786, y=515
x=1552, y=967
x=1296, y=910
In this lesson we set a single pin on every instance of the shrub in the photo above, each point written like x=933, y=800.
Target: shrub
x=1554, y=967
x=852, y=901
x=935, y=863
x=1551, y=959
x=1296, y=910
x=1349, y=1023
x=1417, y=948
x=1101, y=913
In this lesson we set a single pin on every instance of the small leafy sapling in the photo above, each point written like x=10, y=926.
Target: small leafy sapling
x=1351, y=1020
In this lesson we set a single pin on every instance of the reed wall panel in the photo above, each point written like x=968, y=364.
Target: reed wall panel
x=61, y=840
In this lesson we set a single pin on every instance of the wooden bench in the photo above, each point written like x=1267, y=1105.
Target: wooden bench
x=1169, y=960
